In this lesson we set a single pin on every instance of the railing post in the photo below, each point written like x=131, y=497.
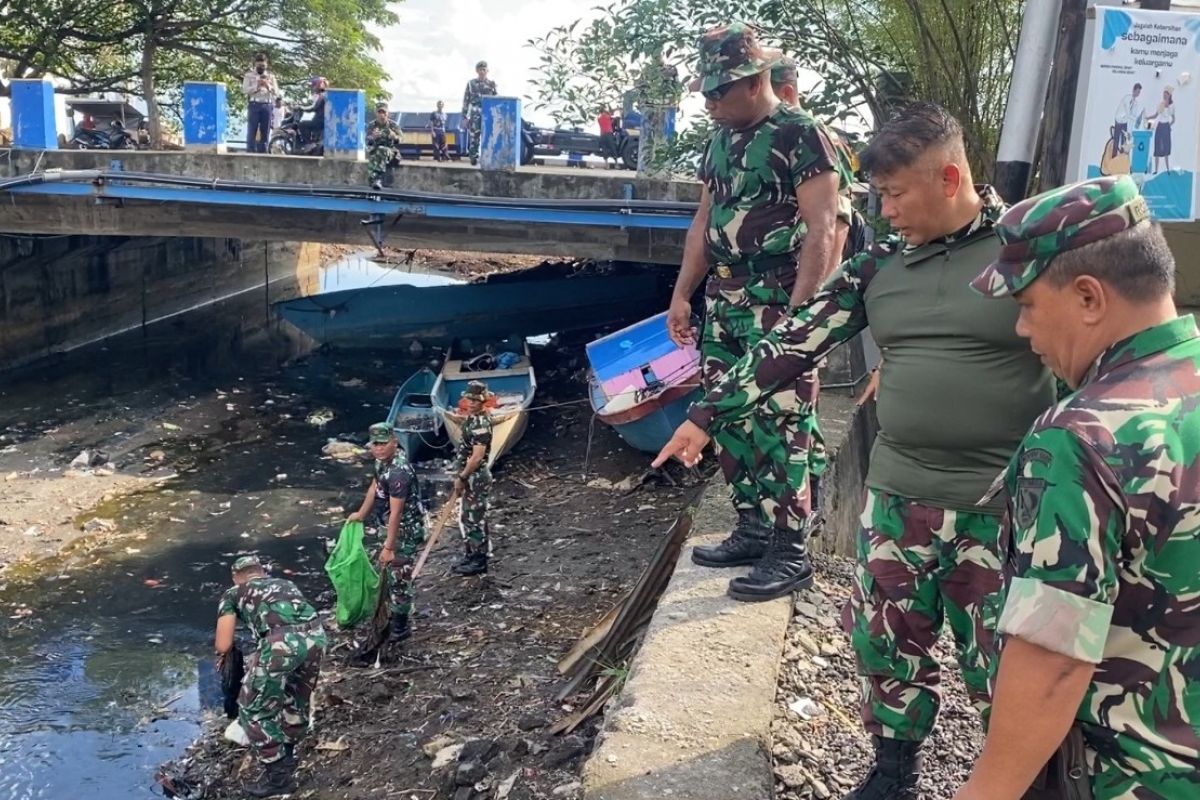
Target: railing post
x=33, y=121
x=346, y=124
x=500, y=134
x=204, y=117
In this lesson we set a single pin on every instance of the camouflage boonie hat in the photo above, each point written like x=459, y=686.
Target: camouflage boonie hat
x=476, y=390
x=726, y=55
x=247, y=562
x=783, y=68
x=481, y=65
x=1036, y=230
x=380, y=433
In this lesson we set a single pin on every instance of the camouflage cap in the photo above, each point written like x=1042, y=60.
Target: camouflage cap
x=1036, y=230
x=783, y=68
x=380, y=433
x=481, y=65
x=727, y=54
x=476, y=390
x=247, y=562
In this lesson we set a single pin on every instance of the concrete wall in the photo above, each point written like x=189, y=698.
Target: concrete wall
x=59, y=293
x=530, y=182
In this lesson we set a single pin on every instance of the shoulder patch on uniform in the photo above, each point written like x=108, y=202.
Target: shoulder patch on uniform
x=1027, y=499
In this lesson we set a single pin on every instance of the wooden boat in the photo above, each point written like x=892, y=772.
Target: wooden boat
x=385, y=313
x=413, y=418
x=513, y=387
x=642, y=383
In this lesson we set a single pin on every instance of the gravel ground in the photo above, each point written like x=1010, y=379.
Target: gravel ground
x=820, y=749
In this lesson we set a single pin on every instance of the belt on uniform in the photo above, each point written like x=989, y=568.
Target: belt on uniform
x=759, y=267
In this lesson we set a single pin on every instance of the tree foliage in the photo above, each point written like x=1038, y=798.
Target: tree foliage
x=150, y=47
x=865, y=52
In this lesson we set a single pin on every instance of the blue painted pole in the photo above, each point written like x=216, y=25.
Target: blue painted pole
x=33, y=122
x=204, y=117
x=346, y=124
x=500, y=135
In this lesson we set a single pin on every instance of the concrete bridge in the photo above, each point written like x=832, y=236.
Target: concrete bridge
x=536, y=210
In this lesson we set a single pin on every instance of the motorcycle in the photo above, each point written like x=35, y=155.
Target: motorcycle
x=115, y=137
x=289, y=139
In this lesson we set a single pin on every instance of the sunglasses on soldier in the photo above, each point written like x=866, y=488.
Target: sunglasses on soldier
x=720, y=92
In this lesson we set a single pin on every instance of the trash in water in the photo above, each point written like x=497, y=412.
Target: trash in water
x=168, y=426
x=320, y=417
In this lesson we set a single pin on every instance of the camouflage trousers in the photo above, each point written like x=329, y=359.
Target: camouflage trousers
x=280, y=678
x=473, y=517
x=474, y=126
x=918, y=568
x=379, y=157
x=767, y=458
x=401, y=594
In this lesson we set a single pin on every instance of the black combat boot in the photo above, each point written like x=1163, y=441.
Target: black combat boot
x=276, y=779
x=476, y=562
x=784, y=569
x=895, y=774
x=745, y=545
x=400, y=630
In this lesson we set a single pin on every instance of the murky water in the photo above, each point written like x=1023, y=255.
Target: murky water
x=105, y=667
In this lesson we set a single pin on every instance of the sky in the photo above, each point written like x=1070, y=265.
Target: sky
x=431, y=54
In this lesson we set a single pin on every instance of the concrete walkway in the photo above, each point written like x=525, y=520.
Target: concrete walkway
x=693, y=721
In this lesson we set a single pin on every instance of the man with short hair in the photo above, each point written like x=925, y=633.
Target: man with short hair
x=393, y=503
x=1101, y=623
x=261, y=93
x=383, y=145
x=764, y=235
x=958, y=390
x=437, y=131
x=477, y=88
x=281, y=673
x=473, y=479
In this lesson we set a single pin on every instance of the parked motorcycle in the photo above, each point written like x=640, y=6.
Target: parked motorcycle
x=114, y=137
x=289, y=139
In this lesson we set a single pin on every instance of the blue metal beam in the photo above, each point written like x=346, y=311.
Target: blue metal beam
x=433, y=210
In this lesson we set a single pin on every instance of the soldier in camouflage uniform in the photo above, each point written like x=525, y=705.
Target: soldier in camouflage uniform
x=473, y=479
x=765, y=236
x=472, y=107
x=393, y=502
x=1101, y=622
x=282, y=672
x=851, y=238
x=383, y=145
x=959, y=390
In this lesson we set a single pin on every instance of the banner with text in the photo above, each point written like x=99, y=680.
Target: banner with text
x=1141, y=114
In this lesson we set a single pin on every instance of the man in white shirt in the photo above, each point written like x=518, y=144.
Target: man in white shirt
x=261, y=90
x=1129, y=113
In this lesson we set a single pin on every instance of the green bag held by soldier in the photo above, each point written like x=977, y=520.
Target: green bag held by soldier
x=354, y=578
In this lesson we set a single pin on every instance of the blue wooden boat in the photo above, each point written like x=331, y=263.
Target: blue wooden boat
x=513, y=385
x=642, y=383
x=417, y=425
x=379, y=315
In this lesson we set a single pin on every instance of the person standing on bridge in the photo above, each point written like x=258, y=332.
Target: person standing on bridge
x=958, y=390
x=437, y=131
x=261, y=91
x=766, y=230
x=383, y=145
x=477, y=88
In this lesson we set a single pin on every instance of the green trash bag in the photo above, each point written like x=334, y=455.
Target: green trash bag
x=353, y=576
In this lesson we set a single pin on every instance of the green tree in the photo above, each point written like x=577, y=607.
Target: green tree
x=150, y=47
x=956, y=52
